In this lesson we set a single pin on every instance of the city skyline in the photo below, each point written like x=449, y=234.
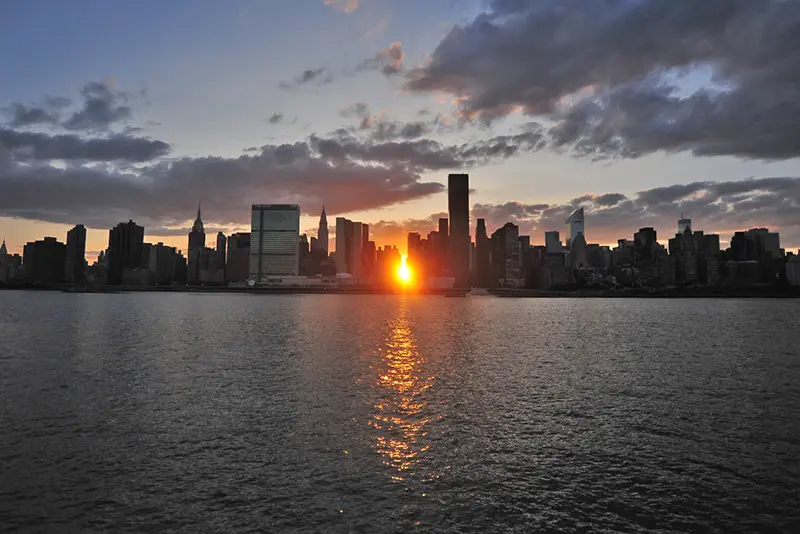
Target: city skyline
x=371, y=128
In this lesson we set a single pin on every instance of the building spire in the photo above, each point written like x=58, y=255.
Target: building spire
x=3, y=249
x=198, y=209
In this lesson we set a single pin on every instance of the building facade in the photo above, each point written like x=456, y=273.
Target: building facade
x=322, y=234
x=197, y=244
x=459, y=240
x=575, y=226
x=43, y=261
x=274, y=241
x=125, y=249
x=237, y=267
x=75, y=264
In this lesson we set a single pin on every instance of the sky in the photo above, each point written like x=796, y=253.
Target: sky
x=637, y=110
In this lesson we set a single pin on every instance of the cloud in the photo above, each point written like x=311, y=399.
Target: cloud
x=316, y=77
x=381, y=128
x=345, y=6
x=102, y=107
x=722, y=207
x=275, y=118
x=23, y=116
x=356, y=109
x=346, y=172
x=615, y=75
x=38, y=146
x=389, y=61
x=424, y=154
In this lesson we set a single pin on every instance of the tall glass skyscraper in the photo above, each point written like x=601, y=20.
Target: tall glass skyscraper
x=274, y=241
x=575, y=226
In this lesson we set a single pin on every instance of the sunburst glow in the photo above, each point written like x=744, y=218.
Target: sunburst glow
x=404, y=274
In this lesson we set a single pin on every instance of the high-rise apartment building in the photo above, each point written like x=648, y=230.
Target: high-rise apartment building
x=44, y=261
x=459, y=241
x=75, y=264
x=222, y=243
x=483, y=254
x=352, y=242
x=125, y=249
x=237, y=266
x=552, y=242
x=274, y=241
x=344, y=235
x=355, y=259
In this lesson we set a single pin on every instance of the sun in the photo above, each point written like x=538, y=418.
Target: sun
x=403, y=272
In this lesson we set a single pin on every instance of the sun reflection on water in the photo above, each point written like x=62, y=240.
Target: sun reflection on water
x=400, y=413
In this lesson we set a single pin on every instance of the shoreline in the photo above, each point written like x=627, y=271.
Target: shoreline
x=706, y=293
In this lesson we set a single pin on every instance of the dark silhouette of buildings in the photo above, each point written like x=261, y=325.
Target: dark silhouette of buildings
x=10, y=265
x=443, y=247
x=321, y=242
x=75, y=265
x=505, y=257
x=459, y=240
x=161, y=265
x=43, y=261
x=197, y=245
x=125, y=249
x=696, y=256
x=237, y=268
x=304, y=256
x=222, y=243
x=483, y=255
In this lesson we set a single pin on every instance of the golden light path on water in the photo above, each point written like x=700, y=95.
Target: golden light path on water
x=399, y=413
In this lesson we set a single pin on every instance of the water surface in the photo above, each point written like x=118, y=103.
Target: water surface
x=325, y=413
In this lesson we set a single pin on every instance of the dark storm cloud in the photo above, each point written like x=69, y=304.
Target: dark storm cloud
x=602, y=69
x=103, y=106
x=275, y=118
x=714, y=206
x=38, y=146
x=320, y=76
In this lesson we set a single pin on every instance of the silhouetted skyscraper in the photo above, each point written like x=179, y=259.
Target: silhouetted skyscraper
x=483, y=254
x=344, y=235
x=238, y=258
x=75, y=264
x=458, y=207
x=197, y=243
x=125, y=247
x=222, y=243
x=506, y=262
x=443, y=251
x=44, y=261
x=575, y=226
x=322, y=231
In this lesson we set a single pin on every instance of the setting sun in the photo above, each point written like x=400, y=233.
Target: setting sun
x=403, y=272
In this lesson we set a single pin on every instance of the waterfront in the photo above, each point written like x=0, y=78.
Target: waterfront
x=203, y=412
